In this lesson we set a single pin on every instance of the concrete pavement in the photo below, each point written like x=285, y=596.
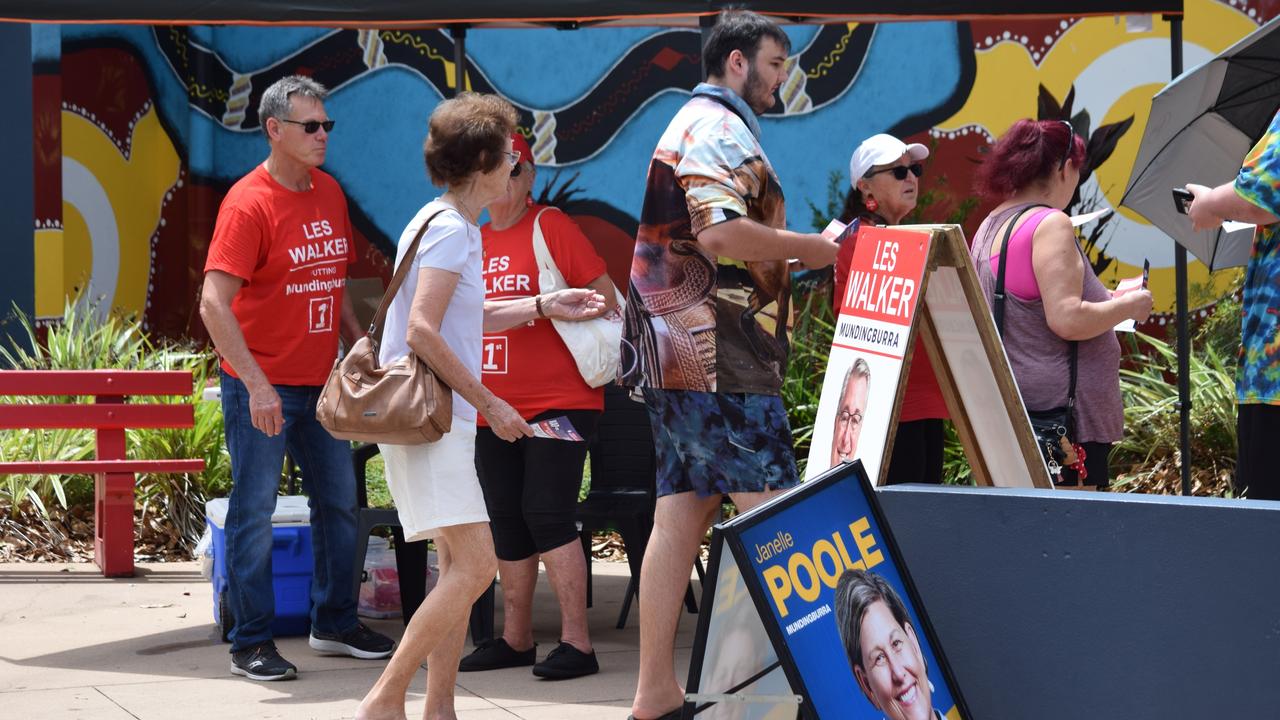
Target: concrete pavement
x=76, y=645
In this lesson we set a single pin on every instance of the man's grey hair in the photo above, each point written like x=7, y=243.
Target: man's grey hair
x=275, y=99
x=859, y=368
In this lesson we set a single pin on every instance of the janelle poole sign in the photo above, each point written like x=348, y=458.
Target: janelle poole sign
x=872, y=335
x=837, y=604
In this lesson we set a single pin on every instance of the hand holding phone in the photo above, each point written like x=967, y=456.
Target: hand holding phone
x=1182, y=198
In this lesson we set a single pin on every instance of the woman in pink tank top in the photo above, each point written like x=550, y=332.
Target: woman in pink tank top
x=1052, y=296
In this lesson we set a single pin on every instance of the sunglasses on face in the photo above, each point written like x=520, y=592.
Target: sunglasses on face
x=513, y=158
x=899, y=171
x=311, y=127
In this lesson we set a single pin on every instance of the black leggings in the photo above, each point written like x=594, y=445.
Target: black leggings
x=531, y=486
x=917, y=453
x=1257, y=428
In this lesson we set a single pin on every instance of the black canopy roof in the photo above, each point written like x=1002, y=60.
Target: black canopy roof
x=562, y=13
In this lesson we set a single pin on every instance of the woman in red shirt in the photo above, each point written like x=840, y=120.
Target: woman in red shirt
x=884, y=177
x=531, y=486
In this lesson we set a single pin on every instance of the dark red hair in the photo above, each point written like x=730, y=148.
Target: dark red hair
x=1028, y=153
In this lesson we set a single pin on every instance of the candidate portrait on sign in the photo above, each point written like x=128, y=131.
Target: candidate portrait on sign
x=883, y=647
x=852, y=408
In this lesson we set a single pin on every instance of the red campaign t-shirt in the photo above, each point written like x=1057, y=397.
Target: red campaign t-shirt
x=292, y=250
x=528, y=365
x=923, y=397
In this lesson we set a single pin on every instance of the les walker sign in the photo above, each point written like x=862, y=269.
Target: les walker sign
x=872, y=338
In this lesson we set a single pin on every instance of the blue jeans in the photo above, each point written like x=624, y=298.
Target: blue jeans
x=329, y=482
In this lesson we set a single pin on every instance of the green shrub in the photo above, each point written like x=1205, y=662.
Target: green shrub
x=802, y=386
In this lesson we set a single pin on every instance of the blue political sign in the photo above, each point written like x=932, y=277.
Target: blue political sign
x=865, y=652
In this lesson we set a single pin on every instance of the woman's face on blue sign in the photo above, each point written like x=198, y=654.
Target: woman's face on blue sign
x=893, y=674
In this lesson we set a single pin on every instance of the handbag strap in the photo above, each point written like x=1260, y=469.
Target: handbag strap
x=542, y=255
x=402, y=270
x=997, y=308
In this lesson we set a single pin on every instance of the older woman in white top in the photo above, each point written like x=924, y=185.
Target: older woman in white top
x=440, y=313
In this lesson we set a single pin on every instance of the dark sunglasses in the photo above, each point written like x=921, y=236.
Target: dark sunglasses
x=899, y=171
x=1071, y=144
x=311, y=126
x=515, y=170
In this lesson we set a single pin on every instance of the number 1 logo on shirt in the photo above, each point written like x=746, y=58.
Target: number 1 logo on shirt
x=321, y=316
x=494, y=356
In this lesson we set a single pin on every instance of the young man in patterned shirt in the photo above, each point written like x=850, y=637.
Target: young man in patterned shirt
x=708, y=310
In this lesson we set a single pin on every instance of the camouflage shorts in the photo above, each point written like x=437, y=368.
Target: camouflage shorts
x=718, y=443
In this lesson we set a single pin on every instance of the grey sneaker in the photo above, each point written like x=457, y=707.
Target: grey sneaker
x=262, y=662
x=358, y=642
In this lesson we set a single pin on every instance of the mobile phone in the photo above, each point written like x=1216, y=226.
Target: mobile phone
x=1146, y=272
x=1182, y=198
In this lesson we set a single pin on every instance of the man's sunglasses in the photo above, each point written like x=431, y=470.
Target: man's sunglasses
x=310, y=127
x=899, y=171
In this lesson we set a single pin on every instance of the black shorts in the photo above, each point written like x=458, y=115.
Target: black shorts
x=531, y=486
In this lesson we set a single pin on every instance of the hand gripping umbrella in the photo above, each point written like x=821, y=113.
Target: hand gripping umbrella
x=1201, y=126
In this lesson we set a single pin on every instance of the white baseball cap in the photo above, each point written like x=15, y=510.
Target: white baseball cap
x=881, y=150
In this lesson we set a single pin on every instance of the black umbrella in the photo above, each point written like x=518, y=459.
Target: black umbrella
x=1201, y=126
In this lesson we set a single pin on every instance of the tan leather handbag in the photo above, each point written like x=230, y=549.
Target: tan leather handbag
x=402, y=403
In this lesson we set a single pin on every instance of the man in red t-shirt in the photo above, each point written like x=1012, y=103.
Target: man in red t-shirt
x=273, y=303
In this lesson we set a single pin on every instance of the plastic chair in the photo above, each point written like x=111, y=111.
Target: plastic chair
x=411, y=557
x=623, y=487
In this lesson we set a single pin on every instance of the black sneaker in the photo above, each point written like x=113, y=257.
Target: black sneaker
x=495, y=654
x=358, y=642
x=262, y=662
x=566, y=662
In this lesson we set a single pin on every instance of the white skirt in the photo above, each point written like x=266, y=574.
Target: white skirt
x=435, y=485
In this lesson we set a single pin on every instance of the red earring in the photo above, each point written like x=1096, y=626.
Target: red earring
x=871, y=204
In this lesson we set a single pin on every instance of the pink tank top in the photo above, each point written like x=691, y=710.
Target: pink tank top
x=1019, y=275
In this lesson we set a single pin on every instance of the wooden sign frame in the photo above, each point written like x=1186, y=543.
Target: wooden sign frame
x=953, y=322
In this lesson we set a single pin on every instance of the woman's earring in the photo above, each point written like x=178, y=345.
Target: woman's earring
x=871, y=204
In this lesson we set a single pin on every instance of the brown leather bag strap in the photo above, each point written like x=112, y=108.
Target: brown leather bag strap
x=402, y=270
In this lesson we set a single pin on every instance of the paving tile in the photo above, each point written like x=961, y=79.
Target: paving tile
x=65, y=704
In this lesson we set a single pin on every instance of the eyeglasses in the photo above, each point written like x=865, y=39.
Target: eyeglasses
x=899, y=171
x=310, y=127
x=1071, y=144
x=515, y=171
x=513, y=158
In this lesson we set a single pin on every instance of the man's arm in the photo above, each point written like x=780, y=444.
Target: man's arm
x=1213, y=205
x=745, y=239
x=348, y=325
x=215, y=309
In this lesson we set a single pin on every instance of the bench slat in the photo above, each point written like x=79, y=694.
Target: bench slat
x=96, y=382
x=97, y=416
x=89, y=467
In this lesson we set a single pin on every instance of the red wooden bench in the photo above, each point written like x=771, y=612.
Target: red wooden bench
x=113, y=472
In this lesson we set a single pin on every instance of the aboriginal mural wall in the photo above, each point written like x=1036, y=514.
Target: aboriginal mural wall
x=140, y=130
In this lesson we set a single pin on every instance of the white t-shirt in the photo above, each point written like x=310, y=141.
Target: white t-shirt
x=452, y=244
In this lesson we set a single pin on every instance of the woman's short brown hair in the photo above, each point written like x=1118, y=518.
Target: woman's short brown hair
x=467, y=134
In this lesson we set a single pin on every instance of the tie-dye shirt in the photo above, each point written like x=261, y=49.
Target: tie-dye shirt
x=1258, y=377
x=697, y=321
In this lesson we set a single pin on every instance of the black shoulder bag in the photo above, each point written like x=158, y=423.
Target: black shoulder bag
x=1053, y=428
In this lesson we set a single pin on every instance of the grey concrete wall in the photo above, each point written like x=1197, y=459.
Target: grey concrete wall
x=17, y=168
x=1055, y=604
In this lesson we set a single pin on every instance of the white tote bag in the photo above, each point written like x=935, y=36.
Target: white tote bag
x=596, y=345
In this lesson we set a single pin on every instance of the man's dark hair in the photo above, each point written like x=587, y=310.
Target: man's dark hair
x=739, y=30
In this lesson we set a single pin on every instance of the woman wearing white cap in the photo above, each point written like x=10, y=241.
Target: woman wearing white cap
x=884, y=177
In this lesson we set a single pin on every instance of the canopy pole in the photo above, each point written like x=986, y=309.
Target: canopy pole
x=705, y=24
x=459, y=35
x=1180, y=278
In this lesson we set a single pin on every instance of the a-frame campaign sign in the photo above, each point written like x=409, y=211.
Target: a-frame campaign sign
x=881, y=319
x=771, y=644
